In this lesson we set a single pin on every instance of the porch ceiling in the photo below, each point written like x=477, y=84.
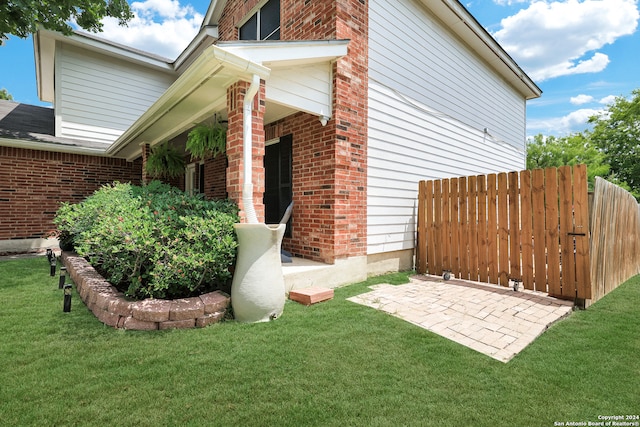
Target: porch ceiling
x=196, y=95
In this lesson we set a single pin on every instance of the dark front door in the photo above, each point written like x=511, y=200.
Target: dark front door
x=277, y=182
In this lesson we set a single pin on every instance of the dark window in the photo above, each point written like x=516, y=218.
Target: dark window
x=265, y=22
x=249, y=31
x=277, y=181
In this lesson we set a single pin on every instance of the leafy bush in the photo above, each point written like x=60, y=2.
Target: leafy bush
x=154, y=241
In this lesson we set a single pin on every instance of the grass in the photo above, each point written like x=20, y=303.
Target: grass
x=335, y=363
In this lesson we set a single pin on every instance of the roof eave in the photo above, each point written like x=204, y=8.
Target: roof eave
x=49, y=146
x=288, y=53
x=206, y=32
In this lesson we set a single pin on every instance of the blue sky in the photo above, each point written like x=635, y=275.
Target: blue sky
x=582, y=53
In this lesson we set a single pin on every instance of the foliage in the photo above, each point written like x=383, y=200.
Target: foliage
x=330, y=364
x=23, y=17
x=616, y=132
x=5, y=95
x=165, y=161
x=610, y=150
x=154, y=241
x=207, y=140
x=545, y=152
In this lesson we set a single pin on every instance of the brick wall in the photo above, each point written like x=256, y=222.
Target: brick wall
x=33, y=183
x=215, y=185
x=330, y=162
x=234, y=149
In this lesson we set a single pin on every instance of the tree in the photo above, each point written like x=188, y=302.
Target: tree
x=23, y=17
x=545, y=152
x=5, y=95
x=616, y=132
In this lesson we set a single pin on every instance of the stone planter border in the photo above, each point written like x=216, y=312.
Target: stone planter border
x=112, y=308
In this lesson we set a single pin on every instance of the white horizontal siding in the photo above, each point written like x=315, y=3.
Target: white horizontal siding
x=430, y=99
x=99, y=97
x=411, y=52
x=306, y=89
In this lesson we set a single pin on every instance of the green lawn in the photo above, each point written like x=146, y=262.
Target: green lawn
x=335, y=364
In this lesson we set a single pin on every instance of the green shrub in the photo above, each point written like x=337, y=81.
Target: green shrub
x=154, y=241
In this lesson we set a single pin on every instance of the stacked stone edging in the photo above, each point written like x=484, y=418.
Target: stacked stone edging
x=112, y=308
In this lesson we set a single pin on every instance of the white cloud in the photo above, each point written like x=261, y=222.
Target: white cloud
x=162, y=27
x=552, y=39
x=508, y=2
x=575, y=121
x=608, y=100
x=581, y=99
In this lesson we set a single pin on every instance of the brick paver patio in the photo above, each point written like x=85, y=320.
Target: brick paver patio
x=493, y=320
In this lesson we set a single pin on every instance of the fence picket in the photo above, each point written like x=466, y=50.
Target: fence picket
x=551, y=231
x=455, y=231
x=514, y=227
x=567, y=241
x=421, y=252
x=446, y=226
x=539, y=245
x=437, y=218
x=482, y=229
x=473, y=228
x=581, y=228
x=503, y=231
x=464, y=229
x=431, y=245
x=492, y=228
x=526, y=215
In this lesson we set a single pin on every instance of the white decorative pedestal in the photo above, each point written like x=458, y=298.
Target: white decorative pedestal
x=257, y=289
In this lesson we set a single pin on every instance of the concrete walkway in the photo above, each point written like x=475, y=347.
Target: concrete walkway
x=491, y=319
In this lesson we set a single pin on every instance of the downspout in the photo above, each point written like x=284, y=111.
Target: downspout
x=247, y=151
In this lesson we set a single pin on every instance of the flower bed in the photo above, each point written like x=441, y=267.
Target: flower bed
x=112, y=308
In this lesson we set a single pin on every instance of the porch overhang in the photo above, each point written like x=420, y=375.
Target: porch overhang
x=301, y=76
x=298, y=77
x=196, y=95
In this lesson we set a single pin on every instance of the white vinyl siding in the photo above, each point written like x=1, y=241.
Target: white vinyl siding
x=99, y=97
x=430, y=100
x=305, y=88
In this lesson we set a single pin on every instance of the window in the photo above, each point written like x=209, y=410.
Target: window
x=264, y=24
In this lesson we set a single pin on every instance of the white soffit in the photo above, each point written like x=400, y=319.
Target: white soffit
x=288, y=53
x=196, y=95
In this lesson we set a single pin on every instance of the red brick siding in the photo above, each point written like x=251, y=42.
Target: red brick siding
x=329, y=163
x=33, y=184
x=235, y=98
x=299, y=19
x=215, y=185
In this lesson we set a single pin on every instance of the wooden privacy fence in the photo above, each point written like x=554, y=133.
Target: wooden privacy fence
x=530, y=226
x=615, y=237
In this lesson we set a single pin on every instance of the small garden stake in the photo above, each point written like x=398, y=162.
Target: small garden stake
x=66, y=307
x=63, y=277
x=53, y=265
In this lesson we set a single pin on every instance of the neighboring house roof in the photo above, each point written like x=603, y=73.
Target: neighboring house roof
x=30, y=126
